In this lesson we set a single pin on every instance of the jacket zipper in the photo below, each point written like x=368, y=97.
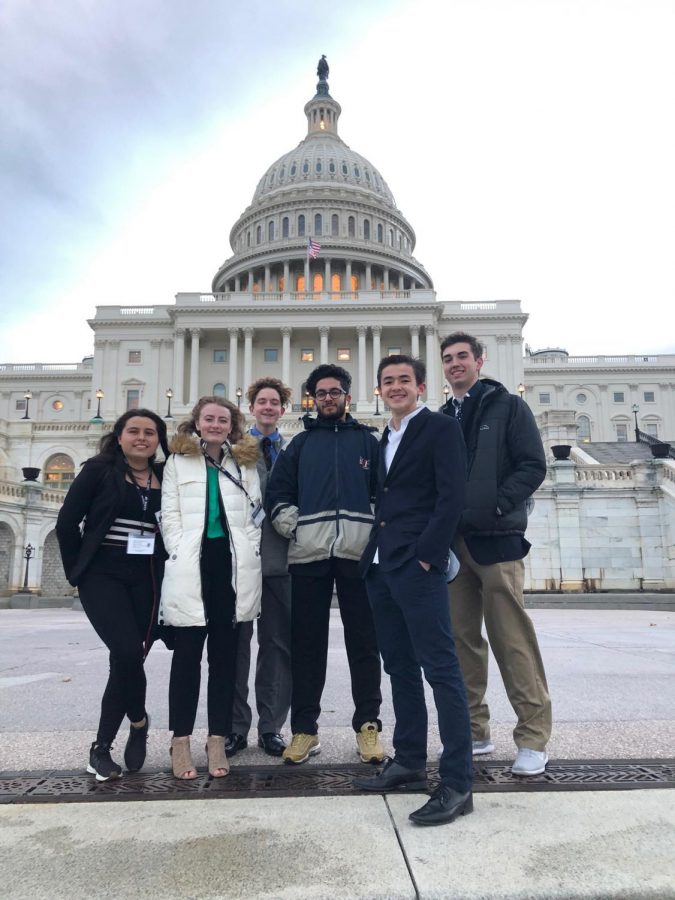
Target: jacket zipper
x=337, y=494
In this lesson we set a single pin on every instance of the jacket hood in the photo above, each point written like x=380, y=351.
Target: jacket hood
x=246, y=451
x=311, y=422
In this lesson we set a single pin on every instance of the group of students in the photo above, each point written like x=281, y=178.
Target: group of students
x=175, y=548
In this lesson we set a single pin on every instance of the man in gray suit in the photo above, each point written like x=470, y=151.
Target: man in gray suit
x=268, y=398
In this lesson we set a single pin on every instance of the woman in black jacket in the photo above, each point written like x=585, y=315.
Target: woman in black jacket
x=112, y=551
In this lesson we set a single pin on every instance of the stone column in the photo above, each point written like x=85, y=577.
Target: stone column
x=110, y=386
x=98, y=370
x=194, y=365
x=386, y=279
x=287, y=277
x=400, y=281
x=326, y=277
x=308, y=286
x=517, y=373
x=267, y=278
x=502, y=373
x=286, y=332
x=432, y=351
x=567, y=496
x=414, y=340
x=324, y=331
x=232, y=376
x=377, y=352
x=155, y=389
x=248, y=357
x=251, y=281
x=362, y=396
x=604, y=417
x=369, y=277
x=237, y=283
x=348, y=275
x=179, y=367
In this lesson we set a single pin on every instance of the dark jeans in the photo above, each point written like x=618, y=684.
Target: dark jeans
x=220, y=636
x=310, y=618
x=410, y=607
x=116, y=593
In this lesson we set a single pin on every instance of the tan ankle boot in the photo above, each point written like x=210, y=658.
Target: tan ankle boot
x=216, y=757
x=181, y=759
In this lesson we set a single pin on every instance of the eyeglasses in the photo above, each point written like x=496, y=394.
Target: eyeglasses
x=333, y=393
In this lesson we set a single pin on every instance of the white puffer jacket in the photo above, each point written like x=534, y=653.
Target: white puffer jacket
x=184, y=490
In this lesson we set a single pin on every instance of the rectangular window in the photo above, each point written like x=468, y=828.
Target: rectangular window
x=271, y=355
x=344, y=354
x=622, y=433
x=306, y=355
x=20, y=405
x=135, y=357
x=393, y=351
x=133, y=399
x=618, y=396
x=651, y=428
x=649, y=396
x=544, y=399
x=220, y=356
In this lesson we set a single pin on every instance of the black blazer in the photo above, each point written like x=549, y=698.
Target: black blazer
x=420, y=500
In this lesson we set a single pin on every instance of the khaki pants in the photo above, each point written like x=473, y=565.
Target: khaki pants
x=495, y=593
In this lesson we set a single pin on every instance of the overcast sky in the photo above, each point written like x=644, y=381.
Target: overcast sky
x=530, y=143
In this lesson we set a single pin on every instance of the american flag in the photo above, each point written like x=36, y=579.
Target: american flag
x=313, y=248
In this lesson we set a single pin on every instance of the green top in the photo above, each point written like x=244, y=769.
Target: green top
x=214, y=522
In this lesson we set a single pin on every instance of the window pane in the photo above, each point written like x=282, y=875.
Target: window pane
x=649, y=396
x=220, y=356
x=393, y=351
x=219, y=389
x=133, y=398
x=544, y=398
x=271, y=355
x=135, y=356
x=306, y=355
x=344, y=354
x=618, y=396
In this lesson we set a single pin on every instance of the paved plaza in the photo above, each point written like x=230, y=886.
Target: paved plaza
x=612, y=679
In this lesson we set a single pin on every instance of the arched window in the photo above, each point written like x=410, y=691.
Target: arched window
x=366, y=229
x=345, y=170
x=336, y=282
x=301, y=226
x=331, y=167
x=59, y=471
x=258, y=234
x=294, y=169
x=355, y=282
x=357, y=172
x=270, y=231
x=583, y=429
x=351, y=226
x=317, y=282
x=318, y=165
x=284, y=226
x=391, y=237
x=380, y=234
x=219, y=389
x=317, y=224
x=334, y=225
x=248, y=238
x=305, y=167
x=300, y=284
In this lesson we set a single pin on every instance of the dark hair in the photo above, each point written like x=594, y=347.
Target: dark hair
x=328, y=370
x=461, y=337
x=275, y=384
x=401, y=359
x=109, y=448
x=189, y=426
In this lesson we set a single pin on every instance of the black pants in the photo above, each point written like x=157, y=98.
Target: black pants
x=310, y=618
x=117, y=595
x=220, y=635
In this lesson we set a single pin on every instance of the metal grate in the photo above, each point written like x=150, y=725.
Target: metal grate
x=311, y=780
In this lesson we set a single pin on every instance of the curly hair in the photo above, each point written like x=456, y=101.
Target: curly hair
x=328, y=370
x=274, y=384
x=189, y=426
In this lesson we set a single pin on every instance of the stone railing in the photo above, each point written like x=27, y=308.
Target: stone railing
x=18, y=491
x=48, y=368
x=66, y=426
x=622, y=474
x=559, y=360
x=256, y=297
x=10, y=489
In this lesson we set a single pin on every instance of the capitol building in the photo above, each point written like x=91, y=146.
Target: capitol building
x=323, y=269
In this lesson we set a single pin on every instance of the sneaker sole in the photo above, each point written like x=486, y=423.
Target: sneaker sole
x=522, y=774
x=370, y=760
x=92, y=771
x=483, y=752
x=299, y=762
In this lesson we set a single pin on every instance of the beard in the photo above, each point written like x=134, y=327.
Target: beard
x=333, y=415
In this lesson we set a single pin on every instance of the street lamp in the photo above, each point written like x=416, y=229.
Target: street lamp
x=240, y=394
x=636, y=410
x=446, y=392
x=377, y=401
x=99, y=397
x=28, y=396
x=521, y=390
x=169, y=395
x=28, y=551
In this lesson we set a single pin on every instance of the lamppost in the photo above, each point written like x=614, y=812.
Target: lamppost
x=446, y=392
x=240, y=394
x=377, y=401
x=521, y=390
x=636, y=410
x=28, y=396
x=28, y=551
x=169, y=395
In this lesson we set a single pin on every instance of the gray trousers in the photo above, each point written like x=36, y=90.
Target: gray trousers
x=273, y=668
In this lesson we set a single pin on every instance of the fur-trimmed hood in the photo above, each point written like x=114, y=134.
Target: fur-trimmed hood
x=246, y=451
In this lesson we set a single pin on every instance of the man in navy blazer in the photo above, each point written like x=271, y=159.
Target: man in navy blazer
x=420, y=498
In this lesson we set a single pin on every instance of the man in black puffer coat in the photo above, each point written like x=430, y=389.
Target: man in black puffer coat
x=506, y=465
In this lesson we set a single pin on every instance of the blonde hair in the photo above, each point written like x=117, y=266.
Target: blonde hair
x=189, y=426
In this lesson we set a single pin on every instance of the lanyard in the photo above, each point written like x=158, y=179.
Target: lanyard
x=144, y=497
x=223, y=471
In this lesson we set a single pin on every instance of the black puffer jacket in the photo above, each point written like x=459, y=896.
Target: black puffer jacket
x=506, y=462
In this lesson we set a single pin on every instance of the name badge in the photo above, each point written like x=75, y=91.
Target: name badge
x=258, y=515
x=143, y=544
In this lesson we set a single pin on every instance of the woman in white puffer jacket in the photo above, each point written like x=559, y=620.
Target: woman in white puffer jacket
x=212, y=581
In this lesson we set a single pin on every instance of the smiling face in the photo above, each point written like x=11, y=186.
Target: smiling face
x=139, y=439
x=400, y=390
x=461, y=367
x=332, y=408
x=214, y=424
x=266, y=409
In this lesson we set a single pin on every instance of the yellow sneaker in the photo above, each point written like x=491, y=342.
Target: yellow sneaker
x=301, y=748
x=368, y=744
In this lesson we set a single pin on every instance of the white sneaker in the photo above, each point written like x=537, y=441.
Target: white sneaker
x=530, y=762
x=479, y=748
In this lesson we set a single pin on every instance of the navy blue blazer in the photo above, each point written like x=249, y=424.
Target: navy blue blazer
x=420, y=500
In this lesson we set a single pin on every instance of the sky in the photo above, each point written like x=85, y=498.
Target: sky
x=530, y=143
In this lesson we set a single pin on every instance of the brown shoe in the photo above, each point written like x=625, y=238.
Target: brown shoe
x=181, y=759
x=218, y=763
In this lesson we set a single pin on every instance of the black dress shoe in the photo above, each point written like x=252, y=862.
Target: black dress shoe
x=272, y=743
x=443, y=806
x=234, y=743
x=391, y=776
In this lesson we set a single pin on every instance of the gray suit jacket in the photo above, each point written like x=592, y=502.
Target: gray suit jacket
x=273, y=547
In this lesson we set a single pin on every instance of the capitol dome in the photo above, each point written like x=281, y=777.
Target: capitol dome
x=324, y=191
